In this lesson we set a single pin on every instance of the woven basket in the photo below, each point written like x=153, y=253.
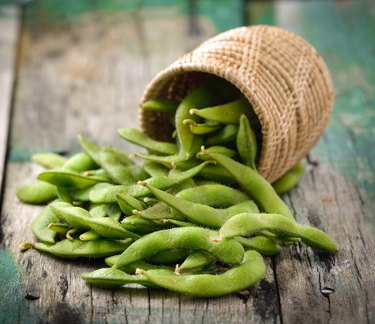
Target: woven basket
x=283, y=77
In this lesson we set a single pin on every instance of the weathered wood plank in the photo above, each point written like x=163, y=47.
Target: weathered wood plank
x=87, y=77
x=56, y=292
x=337, y=193
x=9, y=26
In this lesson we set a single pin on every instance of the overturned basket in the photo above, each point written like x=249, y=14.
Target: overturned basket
x=283, y=77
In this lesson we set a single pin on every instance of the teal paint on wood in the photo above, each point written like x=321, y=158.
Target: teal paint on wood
x=344, y=35
x=261, y=13
x=14, y=300
x=224, y=14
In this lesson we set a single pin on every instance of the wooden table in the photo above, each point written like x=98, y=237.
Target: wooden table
x=69, y=67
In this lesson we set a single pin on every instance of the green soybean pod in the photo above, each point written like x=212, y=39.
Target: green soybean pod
x=139, y=138
x=177, y=222
x=202, y=214
x=113, y=211
x=198, y=98
x=89, y=236
x=226, y=135
x=228, y=113
x=98, y=211
x=215, y=173
x=111, y=278
x=214, y=195
x=290, y=179
x=202, y=128
x=65, y=194
x=37, y=193
x=249, y=224
x=81, y=218
x=261, y=244
x=59, y=228
x=248, y=273
x=140, y=225
x=169, y=257
x=194, y=261
x=94, y=152
x=39, y=225
x=192, y=238
x=48, y=160
x=80, y=162
x=246, y=142
x=83, y=249
x=157, y=212
x=68, y=179
x=254, y=184
x=107, y=194
x=168, y=161
x=132, y=267
x=101, y=173
x=160, y=105
x=128, y=203
x=215, y=149
x=117, y=171
x=155, y=169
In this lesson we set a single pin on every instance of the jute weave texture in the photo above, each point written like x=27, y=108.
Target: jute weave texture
x=283, y=77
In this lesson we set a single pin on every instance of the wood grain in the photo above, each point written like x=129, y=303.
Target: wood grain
x=86, y=74
x=9, y=26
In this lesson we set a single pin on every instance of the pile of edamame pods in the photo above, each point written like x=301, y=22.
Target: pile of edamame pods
x=193, y=216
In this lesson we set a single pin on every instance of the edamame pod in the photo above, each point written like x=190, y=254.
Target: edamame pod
x=37, y=193
x=202, y=214
x=228, y=113
x=48, y=160
x=160, y=105
x=68, y=179
x=81, y=218
x=195, y=260
x=140, y=225
x=155, y=169
x=246, y=143
x=214, y=195
x=80, y=162
x=192, y=238
x=249, y=224
x=128, y=203
x=202, y=128
x=254, y=184
x=83, y=249
x=198, y=98
x=39, y=225
x=107, y=194
x=141, y=139
x=290, y=179
x=247, y=274
x=111, y=278
x=261, y=244
x=226, y=135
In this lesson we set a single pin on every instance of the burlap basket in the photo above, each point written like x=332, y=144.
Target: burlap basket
x=283, y=77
